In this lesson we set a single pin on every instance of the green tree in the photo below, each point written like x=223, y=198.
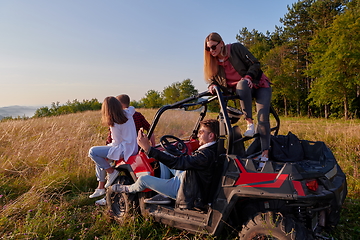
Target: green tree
x=187, y=89
x=302, y=23
x=257, y=43
x=178, y=91
x=336, y=54
x=136, y=104
x=171, y=94
x=322, y=12
x=298, y=31
x=282, y=71
x=152, y=99
x=42, y=112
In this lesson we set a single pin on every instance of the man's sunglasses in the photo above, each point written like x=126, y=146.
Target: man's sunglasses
x=213, y=47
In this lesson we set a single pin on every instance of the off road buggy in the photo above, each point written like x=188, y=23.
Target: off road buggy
x=286, y=199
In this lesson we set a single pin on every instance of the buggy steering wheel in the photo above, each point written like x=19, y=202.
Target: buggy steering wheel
x=177, y=149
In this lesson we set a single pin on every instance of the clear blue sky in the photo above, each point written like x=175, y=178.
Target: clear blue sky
x=62, y=50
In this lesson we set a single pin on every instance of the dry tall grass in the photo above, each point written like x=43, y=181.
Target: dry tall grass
x=44, y=164
x=39, y=156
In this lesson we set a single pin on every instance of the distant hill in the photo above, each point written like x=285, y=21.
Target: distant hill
x=15, y=111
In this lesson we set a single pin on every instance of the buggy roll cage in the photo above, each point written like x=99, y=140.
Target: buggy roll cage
x=226, y=131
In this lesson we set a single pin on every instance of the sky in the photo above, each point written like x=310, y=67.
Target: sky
x=62, y=50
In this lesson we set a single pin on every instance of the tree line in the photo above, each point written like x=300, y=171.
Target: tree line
x=173, y=93
x=69, y=107
x=153, y=99
x=313, y=60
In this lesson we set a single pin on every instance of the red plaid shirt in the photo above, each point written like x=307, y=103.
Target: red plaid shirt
x=140, y=122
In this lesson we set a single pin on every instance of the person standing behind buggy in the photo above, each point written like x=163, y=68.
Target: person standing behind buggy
x=235, y=69
x=192, y=187
x=123, y=143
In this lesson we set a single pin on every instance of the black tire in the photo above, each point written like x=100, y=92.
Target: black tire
x=121, y=204
x=273, y=226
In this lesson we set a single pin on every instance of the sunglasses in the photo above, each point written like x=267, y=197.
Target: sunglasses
x=213, y=47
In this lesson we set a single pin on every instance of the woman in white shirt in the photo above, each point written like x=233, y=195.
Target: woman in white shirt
x=124, y=145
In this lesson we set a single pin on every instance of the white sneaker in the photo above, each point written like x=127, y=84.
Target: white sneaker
x=101, y=202
x=111, y=178
x=97, y=193
x=262, y=161
x=250, y=131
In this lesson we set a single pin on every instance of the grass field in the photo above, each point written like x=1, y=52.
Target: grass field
x=46, y=177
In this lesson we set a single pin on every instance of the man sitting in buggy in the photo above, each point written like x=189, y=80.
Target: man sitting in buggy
x=190, y=188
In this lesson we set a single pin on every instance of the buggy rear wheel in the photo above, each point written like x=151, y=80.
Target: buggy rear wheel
x=273, y=226
x=120, y=204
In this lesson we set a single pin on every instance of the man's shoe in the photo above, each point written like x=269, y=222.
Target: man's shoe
x=111, y=178
x=158, y=199
x=101, y=202
x=262, y=161
x=119, y=188
x=98, y=192
x=250, y=131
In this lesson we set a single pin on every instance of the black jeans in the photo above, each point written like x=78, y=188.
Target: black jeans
x=262, y=99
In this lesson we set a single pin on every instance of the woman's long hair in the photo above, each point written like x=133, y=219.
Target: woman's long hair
x=211, y=67
x=112, y=112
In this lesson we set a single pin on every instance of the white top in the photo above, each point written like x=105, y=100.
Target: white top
x=123, y=138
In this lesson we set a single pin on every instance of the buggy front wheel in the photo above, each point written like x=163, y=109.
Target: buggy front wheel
x=121, y=204
x=273, y=226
